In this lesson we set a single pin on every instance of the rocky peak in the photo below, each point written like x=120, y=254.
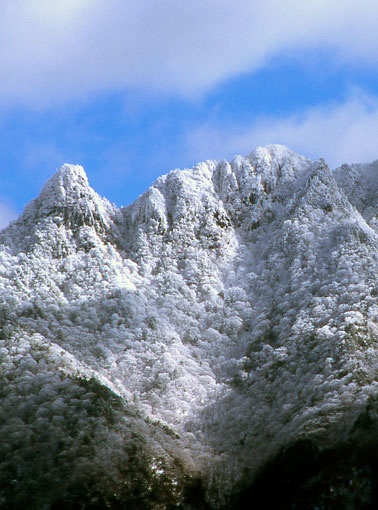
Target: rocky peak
x=67, y=186
x=68, y=198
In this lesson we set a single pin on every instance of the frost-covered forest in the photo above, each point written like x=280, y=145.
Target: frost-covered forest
x=176, y=345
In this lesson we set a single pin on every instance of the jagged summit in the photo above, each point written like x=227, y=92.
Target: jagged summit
x=66, y=215
x=67, y=185
x=68, y=195
x=278, y=156
x=183, y=194
x=66, y=206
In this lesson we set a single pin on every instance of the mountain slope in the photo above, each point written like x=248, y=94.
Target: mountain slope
x=184, y=341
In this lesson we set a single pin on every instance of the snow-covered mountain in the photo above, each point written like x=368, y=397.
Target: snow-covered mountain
x=171, y=353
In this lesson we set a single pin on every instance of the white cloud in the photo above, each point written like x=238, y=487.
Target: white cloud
x=66, y=49
x=340, y=133
x=7, y=214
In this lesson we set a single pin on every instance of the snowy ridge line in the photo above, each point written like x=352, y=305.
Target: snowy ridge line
x=234, y=306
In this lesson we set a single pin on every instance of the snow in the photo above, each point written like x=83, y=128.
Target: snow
x=234, y=303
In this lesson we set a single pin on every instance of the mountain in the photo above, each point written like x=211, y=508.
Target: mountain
x=212, y=345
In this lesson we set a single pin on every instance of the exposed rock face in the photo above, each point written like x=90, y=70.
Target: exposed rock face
x=182, y=352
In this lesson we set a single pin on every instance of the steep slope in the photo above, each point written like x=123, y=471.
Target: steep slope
x=359, y=182
x=186, y=340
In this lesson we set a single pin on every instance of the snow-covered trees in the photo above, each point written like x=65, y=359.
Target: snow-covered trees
x=228, y=311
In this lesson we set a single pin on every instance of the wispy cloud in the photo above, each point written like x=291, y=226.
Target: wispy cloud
x=345, y=132
x=7, y=213
x=66, y=49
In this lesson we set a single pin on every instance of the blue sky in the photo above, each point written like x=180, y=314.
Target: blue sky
x=131, y=89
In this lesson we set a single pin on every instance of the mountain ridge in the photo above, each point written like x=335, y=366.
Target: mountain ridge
x=230, y=311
